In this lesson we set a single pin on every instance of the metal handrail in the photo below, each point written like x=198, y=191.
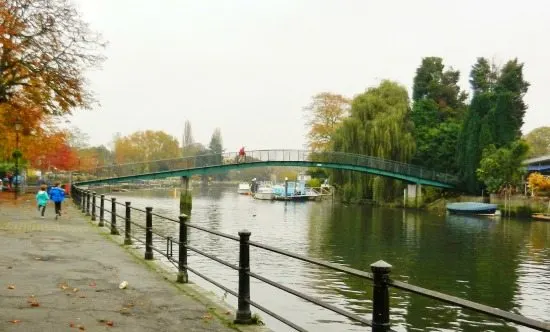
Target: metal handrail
x=262, y=156
x=380, y=274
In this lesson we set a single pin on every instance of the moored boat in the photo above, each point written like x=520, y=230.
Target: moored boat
x=244, y=189
x=541, y=216
x=264, y=193
x=472, y=208
x=294, y=191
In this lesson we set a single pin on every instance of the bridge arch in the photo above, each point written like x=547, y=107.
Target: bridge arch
x=219, y=163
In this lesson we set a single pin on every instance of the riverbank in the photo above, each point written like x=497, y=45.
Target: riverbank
x=63, y=274
x=515, y=206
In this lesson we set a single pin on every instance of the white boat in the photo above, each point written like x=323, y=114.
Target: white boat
x=264, y=193
x=244, y=188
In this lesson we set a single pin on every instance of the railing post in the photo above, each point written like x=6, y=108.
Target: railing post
x=244, y=316
x=83, y=201
x=128, y=225
x=87, y=203
x=149, y=233
x=101, y=211
x=380, y=296
x=169, y=246
x=114, y=231
x=183, y=277
x=93, y=205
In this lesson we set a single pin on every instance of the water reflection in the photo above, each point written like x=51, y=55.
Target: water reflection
x=502, y=263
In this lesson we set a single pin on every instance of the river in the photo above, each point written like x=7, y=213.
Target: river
x=502, y=263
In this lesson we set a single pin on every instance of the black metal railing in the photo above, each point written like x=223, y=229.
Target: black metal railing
x=257, y=156
x=380, y=270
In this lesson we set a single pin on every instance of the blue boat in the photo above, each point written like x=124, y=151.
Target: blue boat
x=472, y=208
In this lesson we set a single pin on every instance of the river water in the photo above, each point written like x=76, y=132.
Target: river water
x=502, y=263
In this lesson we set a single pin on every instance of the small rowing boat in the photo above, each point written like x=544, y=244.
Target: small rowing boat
x=541, y=216
x=472, y=208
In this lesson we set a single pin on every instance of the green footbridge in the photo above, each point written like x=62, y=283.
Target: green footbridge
x=219, y=163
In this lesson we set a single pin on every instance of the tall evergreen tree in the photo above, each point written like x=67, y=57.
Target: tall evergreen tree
x=216, y=149
x=495, y=115
x=438, y=111
x=187, y=138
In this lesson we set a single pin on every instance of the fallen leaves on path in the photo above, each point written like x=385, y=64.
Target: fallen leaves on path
x=11, y=286
x=33, y=301
x=15, y=321
x=80, y=327
x=106, y=322
x=92, y=284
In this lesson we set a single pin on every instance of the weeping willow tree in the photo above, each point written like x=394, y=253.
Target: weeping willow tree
x=379, y=125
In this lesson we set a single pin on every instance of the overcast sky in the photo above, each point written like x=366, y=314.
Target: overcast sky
x=249, y=66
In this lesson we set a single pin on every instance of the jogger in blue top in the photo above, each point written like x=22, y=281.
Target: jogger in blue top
x=57, y=195
x=42, y=199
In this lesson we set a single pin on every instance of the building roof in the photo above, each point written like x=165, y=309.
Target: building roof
x=537, y=160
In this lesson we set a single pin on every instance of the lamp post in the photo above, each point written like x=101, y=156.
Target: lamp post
x=17, y=154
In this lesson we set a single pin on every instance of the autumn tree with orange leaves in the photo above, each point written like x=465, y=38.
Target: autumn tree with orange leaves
x=325, y=112
x=45, y=48
x=538, y=182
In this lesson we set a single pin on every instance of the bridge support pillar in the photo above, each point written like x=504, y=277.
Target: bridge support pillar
x=186, y=196
x=413, y=196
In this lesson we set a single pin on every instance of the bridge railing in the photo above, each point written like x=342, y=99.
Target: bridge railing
x=123, y=219
x=211, y=160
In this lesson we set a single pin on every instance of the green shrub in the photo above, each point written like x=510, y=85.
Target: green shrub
x=314, y=183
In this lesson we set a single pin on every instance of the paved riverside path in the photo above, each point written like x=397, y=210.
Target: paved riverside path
x=63, y=275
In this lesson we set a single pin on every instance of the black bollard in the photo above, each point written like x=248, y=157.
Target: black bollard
x=380, y=296
x=128, y=225
x=114, y=230
x=93, y=205
x=87, y=203
x=149, y=233
x=244, y=316
x=101, y=211
x=183, y=277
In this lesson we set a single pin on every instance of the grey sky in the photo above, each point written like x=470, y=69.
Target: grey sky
x=249, y=66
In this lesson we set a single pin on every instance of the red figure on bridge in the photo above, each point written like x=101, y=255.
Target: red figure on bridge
x=242, y=155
